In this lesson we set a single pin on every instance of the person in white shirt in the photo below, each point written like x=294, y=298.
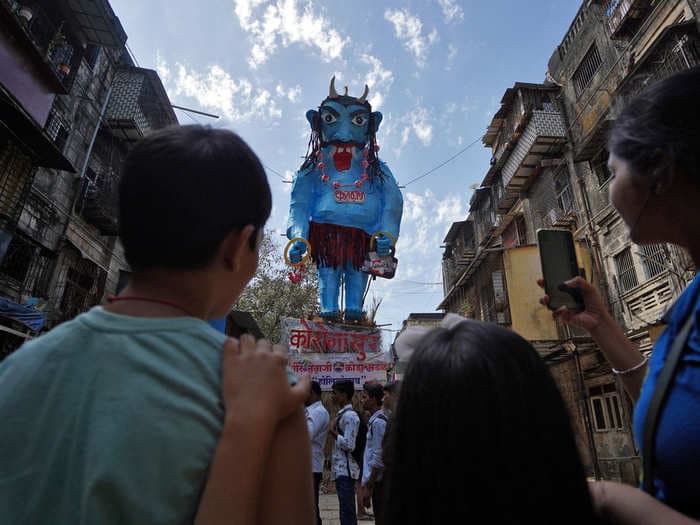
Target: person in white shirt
x=345, y=470
x=318, y=421
x=373, y=465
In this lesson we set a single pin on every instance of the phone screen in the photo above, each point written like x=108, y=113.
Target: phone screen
x=558, y=259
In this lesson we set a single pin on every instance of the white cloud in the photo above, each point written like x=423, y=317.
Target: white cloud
x=421, y=126
x=426, y=219
x=377, y=78
x=451, y=55
x=214, y=89
x=288, y=176
x=292, y=94
x=416, y=123
x=285, y=22
x=162, y=68
x=409, y=29
x=451, y=10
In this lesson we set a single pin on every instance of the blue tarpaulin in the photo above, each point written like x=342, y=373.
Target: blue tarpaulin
x=29, y=317
x=219, y=324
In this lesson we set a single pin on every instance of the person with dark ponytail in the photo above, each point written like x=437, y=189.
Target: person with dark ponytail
x=480, y=433
x=655, y=164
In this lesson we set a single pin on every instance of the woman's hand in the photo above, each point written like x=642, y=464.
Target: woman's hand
x=626, y=505
x=594, y=307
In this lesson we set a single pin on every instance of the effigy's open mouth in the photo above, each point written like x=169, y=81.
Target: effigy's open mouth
x=342, y=156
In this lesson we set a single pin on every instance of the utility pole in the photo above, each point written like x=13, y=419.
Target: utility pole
x=586, y=408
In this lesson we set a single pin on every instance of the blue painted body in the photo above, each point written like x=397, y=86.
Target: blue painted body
x=344, y=129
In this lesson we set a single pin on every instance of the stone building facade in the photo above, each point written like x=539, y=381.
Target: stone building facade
x=548, y=169
x=63, y=141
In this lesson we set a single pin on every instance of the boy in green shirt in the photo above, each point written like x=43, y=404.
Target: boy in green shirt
x=114, y=417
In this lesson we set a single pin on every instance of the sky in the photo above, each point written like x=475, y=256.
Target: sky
x=436, y=69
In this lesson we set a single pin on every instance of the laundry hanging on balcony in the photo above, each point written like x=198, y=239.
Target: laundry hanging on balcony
x=32, y=319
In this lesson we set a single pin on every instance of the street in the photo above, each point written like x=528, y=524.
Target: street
x=329, y=510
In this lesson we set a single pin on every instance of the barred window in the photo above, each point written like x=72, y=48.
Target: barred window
x=626, y=274
x=521, y=229
x=653, y=259
x=605, y=404
x=565, y=198
x=586, y=69
x=599, y=165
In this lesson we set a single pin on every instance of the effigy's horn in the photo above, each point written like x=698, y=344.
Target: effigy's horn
x=346, y=91
x=363, y=98
x=332, y=93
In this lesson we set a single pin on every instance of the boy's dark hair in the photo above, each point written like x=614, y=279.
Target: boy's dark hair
x=183, y=190
x=375, y=391
x=344, y=386
x=316, y=387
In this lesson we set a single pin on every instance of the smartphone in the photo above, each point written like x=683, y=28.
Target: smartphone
x=559, y=264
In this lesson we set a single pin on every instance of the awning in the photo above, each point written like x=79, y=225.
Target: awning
x=23, y=129
x=32, y=319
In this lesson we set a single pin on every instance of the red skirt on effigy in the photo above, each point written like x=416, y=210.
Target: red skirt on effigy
x=334, y=246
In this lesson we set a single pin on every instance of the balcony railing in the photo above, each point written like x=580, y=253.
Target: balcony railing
x=138, y=104
x=98, y=202
x=624, y=14
x=50, y=38
x=543, y=136
x=647, y=302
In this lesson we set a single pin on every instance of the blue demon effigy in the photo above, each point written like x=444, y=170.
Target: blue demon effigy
x=346, y=206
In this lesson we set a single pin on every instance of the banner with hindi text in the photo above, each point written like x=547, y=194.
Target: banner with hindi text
x=330, y=352
x=329, y=368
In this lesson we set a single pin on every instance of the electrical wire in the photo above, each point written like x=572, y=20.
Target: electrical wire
x=447, y=161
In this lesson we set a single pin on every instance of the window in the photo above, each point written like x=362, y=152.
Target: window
x=18, y=258
x=585, y=71
x=605, y=404
x=78, y=289
x=92, y=52
x=625, y=270
x=565, y=199
x=653, y=259
x=599, y=165
x=521, y=230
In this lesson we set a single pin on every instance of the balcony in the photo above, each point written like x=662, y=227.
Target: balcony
x=460, y=250
x=647, y=302
x=676, y=49
x=47, y=39
x=625, y=16
x=138, y=104
x=97, y=203
x=543, y=136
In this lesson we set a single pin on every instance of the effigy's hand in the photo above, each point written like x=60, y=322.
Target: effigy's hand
x=383, y=245
x=297, y=251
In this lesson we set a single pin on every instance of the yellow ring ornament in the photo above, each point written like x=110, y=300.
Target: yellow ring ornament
x=306, y=257
x=373, y=238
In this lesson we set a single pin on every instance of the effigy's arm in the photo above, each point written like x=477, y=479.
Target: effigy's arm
x=300, y=204
x=392, y=208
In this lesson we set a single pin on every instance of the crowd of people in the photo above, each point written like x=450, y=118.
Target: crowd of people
x=357, y=459
x=139, y=411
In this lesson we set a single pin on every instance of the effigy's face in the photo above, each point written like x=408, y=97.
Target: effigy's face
x=344, y=124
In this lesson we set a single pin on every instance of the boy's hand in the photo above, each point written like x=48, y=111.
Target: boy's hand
x=255, y=385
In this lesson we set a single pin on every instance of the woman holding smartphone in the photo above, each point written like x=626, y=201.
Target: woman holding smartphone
x=655, y=164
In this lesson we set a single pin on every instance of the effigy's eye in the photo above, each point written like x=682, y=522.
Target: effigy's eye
x=359, y=120
x=328, y=118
